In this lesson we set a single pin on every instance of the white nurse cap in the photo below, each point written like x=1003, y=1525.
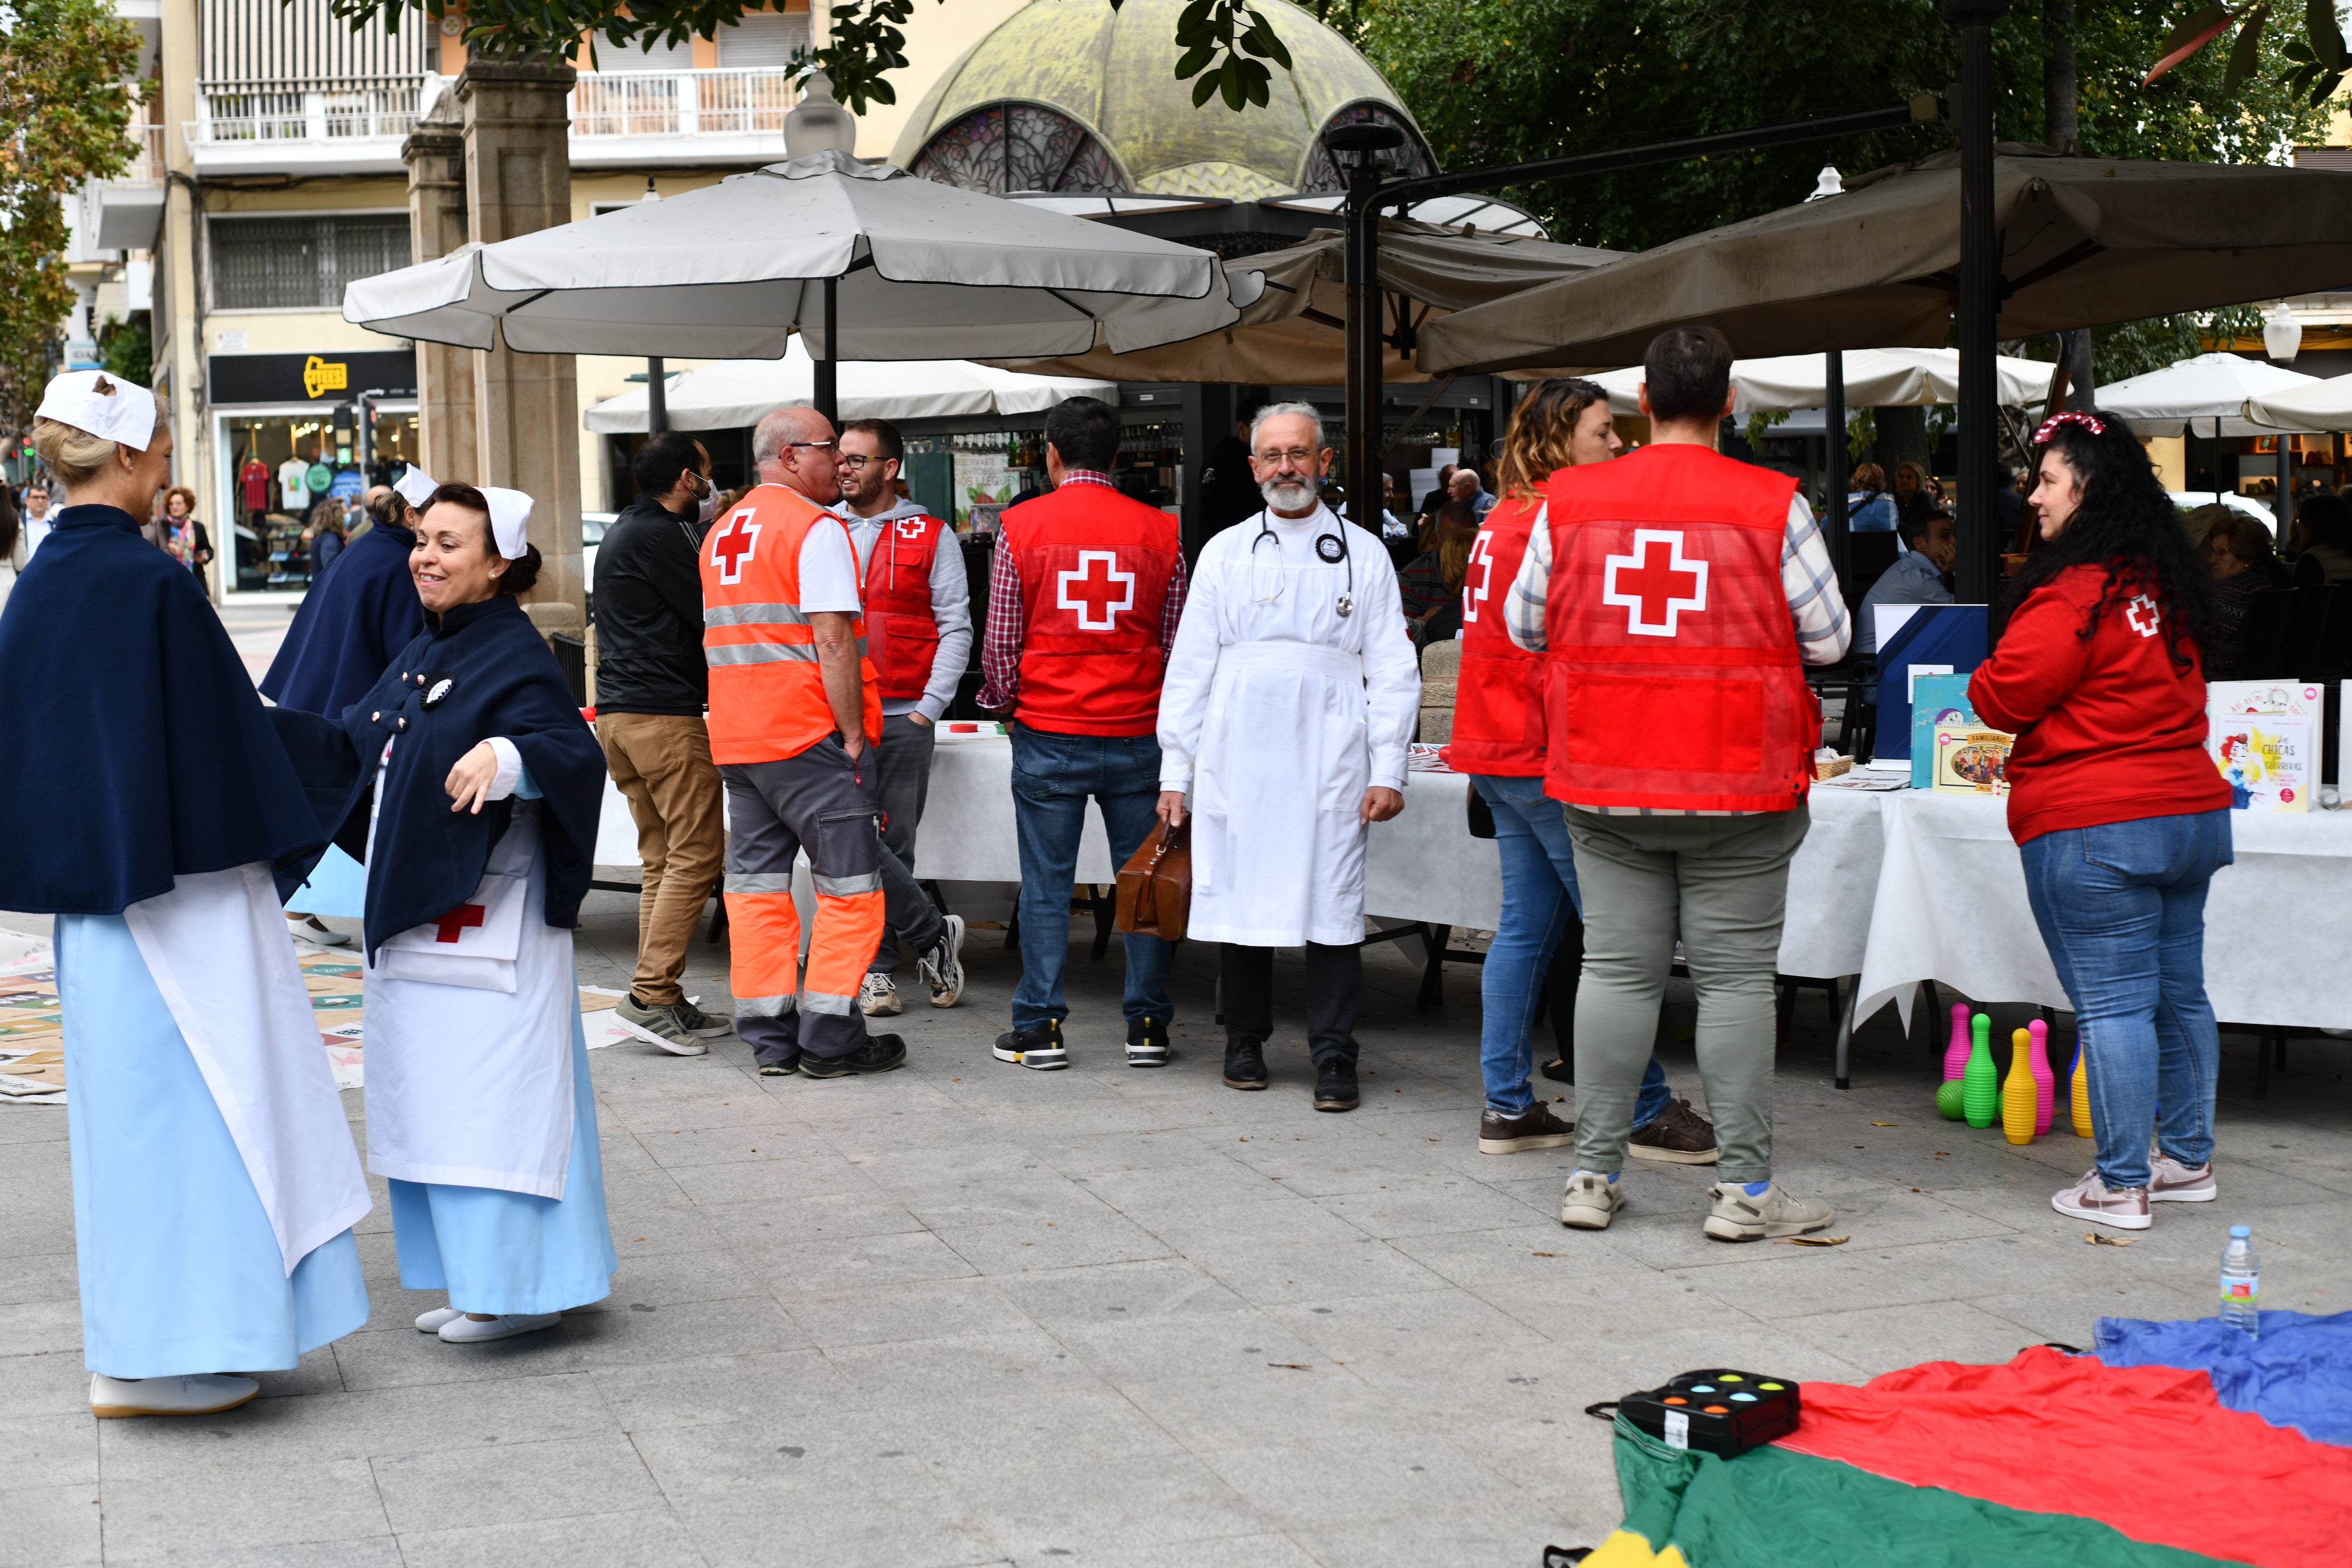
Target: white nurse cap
x=509, y=520
x=101, y=405
x=415, y=487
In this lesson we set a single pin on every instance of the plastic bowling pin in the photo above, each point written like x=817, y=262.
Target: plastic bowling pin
x=2017, y=1094
x=2081, y=1095
x=1956, y=1055
x=1981, y=1091
x=2045, y=1084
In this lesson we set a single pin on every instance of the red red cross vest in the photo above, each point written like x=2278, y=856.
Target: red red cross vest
x=1498, y=721
x=1672, y=675
x=902, y=631
x=1095, y=568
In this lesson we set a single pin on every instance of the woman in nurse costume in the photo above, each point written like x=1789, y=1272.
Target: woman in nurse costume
x=152, y=809
x=477, y=836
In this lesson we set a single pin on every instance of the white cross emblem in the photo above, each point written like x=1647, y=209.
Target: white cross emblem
x=2142, y=615
x=1482, y=561
x=1659, y=583
x=1094, y=595
x=911, y=528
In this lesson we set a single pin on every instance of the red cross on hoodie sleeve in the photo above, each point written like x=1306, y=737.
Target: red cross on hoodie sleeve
x=2108, y=729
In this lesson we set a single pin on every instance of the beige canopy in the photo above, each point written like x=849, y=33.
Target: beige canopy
x=1293, y=334
x=2085, y=242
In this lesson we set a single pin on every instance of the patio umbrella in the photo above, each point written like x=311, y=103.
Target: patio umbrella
x=1294, y=334
x=2205, y=396
x=2318, y=405
x=2083, y=242
x=915, y=270
x=1874, y=378
x=730, y=393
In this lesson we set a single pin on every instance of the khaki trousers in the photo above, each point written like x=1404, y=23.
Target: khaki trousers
x=661, y=763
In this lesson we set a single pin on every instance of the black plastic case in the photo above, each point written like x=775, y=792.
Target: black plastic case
x=1722, y=1412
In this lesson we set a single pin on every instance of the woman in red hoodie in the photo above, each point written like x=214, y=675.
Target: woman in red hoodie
x=2119, y=816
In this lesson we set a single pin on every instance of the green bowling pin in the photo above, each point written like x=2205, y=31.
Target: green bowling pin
x=1980, y=1081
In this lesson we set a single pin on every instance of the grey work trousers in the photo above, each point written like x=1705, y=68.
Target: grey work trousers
x=902, y=778
x=1722, y=884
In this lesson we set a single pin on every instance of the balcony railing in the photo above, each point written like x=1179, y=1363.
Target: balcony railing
x=238, y=114
x=611, y=104
x=146, y=166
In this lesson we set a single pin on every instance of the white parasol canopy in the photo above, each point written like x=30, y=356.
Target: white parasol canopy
x=2325, y=404
x=1874, y=378
x=730, y=393
x=2205, y=396
x=739, y=267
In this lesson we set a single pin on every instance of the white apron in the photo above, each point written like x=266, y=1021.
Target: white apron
x=217, y=947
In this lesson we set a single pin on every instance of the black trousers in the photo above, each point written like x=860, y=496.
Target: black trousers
x=1335, y=993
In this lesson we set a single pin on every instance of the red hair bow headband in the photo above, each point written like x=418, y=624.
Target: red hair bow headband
x=2091, y=422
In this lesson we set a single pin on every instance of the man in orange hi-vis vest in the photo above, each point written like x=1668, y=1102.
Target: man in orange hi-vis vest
x=794, y=713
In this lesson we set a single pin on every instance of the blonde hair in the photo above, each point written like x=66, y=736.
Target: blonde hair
x=1542, y=427
x=75, y=456
x=1453, y=558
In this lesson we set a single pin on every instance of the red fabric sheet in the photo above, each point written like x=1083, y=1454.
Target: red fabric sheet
x=2149, y=1450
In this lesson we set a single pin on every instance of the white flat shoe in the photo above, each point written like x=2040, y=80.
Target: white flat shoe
x=310, y=929
x=431, y=1323
x=465, y=1331
x=200, y=1394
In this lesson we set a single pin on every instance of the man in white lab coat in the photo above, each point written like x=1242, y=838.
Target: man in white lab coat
x=1290, y=693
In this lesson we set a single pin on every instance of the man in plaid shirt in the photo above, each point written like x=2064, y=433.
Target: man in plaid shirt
x=1084, y=595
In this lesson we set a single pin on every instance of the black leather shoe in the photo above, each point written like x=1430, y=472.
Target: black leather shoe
x=784, y=1068
x=880, y=1053
x=1245, y=1064
x=1335, y=1085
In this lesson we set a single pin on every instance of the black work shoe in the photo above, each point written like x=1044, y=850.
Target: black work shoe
x=1147, y=1043
x=1335, y=1085
x=1534, y=1128
x=784, y=1069
x=1038, y=1046
x=1245, y=1064
x=880, y=1053
x=1560, y=1069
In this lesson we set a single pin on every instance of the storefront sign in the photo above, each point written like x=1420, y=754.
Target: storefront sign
x=309, y=378
x=319, y=377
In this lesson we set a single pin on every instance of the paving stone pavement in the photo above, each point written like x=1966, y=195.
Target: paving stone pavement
x=970, y=1314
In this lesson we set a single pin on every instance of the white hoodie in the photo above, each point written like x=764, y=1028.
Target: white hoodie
x=951, y=605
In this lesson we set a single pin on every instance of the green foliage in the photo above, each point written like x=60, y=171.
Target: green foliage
x=126, y=349
x=64, y=110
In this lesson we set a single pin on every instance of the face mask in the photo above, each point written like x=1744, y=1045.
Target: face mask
x=709, y=508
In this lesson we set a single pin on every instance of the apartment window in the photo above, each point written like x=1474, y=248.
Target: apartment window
x=762, y=39
x=274, y=263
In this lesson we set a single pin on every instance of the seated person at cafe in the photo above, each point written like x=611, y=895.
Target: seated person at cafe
x=1422, y=581
x=2238, y=553
x=2323, y=534
x=1931, y=543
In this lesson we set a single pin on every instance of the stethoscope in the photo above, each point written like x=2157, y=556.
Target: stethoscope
x=1330, y=549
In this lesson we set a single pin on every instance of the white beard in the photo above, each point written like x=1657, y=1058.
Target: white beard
x=1293, y=495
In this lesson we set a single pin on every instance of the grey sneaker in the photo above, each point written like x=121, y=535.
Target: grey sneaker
x=1771, y=1213
x=942, y=967
x=660, y=1024
x=878, y=996
x=2125, y=1208
x=701, y=1025
x=1591, y=1202
x=2170, y=1181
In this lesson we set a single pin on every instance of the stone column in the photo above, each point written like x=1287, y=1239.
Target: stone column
x=526, y=414
x=435, y=155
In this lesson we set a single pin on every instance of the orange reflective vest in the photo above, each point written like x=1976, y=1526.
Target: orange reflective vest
x=767, y=695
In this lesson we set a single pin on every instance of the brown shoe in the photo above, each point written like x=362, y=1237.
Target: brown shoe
x=1680, y=1136
x=1534, y=1128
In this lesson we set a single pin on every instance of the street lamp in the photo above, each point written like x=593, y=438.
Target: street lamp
x=1830, y=184
x=2282, y=334
x=1360, y=150
x=819, y=124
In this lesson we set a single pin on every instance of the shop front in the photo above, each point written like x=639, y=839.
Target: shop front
x=301, y=438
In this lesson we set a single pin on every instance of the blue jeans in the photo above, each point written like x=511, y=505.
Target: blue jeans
x=1052, y=777
x=2122, y=910
x=1539, y=900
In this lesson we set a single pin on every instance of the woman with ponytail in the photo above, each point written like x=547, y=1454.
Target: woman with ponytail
x=2119, y=816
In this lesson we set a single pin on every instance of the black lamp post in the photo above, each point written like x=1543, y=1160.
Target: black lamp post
x=1357, y=149
x=1980, y=292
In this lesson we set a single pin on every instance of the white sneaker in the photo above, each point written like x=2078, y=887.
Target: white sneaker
x=1590, y=1202
x=878, y=996
x=313, y=929
x=942, y=967
x=431, y=1323
x=1733, y=1216
x=465, y=1331
x=202, y=1393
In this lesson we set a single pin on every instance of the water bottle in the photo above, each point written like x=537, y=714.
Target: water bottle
x=2241, y=1287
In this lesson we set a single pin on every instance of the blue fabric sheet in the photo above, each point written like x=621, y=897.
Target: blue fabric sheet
x=510, y=1252
x=2298, y=1374
x=180, y=1270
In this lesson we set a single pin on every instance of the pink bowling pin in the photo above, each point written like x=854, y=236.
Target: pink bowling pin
x=1956, y=1055
x=2045, y=1084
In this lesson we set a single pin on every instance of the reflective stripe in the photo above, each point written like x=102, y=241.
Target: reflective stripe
x=847, y=887
x=759, y=881
x=753, y=615
x=764, y=1006
x=824, y=1002
x=759, y=653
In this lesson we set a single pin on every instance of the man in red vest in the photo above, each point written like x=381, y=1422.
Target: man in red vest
x=1677, y=593
x=1083, y=601
x=918, y=634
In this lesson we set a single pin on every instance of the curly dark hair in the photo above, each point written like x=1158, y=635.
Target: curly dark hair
x=2128, y=526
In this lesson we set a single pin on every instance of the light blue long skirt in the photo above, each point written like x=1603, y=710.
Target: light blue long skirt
x=498, y=1251
x=338, y=887
x=180, y=1270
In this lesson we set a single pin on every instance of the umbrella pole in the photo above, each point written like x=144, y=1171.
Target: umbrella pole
x=656, y=399
x=1834, y=453
x=1980, y=301
x=828, y=384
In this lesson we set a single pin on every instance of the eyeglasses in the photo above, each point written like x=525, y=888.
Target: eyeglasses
x=1299, y=457
x=856, y=460
x=826, y=444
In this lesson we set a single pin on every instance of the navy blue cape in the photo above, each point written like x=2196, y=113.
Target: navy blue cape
x=361, y=611
x=139, y=750
x=427, y=859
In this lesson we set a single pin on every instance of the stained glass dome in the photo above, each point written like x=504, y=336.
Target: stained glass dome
x=1070, y=95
